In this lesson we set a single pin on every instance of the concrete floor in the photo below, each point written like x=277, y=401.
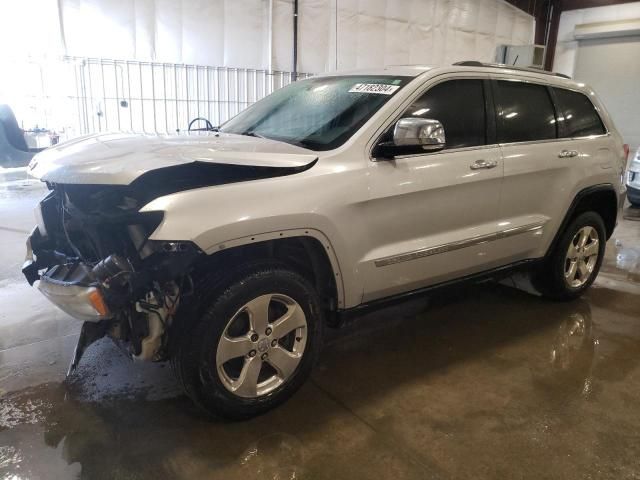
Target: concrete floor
x=484, y=382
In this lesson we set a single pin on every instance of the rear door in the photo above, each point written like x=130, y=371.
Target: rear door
x=527, y=131
x=553, y=145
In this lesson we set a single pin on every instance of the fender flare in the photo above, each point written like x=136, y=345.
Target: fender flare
x=289, y=233
x=585, y=192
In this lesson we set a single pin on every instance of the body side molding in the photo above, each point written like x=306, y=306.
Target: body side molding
x=467, y=242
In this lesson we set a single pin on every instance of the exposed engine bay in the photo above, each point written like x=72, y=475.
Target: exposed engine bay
x=93, y=260
x=92, y=255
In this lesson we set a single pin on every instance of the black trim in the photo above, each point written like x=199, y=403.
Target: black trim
x=494, y=273
x=561, y=127
x=30, y=271
x=490, y=117
x=493, y=87
x=581, y=195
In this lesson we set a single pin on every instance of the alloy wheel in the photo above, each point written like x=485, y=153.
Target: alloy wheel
x=582, y=256
x=262, y=345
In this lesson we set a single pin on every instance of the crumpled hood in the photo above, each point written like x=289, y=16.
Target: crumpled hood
x=118, y=159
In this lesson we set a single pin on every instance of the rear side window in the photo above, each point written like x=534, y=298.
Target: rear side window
x=525, y=112
x=459, y=106
x=577, y=114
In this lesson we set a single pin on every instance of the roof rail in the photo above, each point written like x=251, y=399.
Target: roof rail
x=475, y=63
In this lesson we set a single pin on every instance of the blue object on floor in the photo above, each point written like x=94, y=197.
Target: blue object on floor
x=13, y=148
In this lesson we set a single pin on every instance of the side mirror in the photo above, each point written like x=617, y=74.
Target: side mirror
x=419, y=132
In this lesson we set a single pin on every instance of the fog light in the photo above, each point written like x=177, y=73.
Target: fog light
x=175, y=246
x=166, y=246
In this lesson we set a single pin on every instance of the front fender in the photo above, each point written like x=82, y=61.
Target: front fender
x=227, y=216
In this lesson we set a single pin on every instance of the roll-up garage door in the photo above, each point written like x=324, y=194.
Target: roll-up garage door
x=612, y=67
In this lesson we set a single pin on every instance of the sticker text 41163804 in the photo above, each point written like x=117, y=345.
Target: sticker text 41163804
x=379, y=88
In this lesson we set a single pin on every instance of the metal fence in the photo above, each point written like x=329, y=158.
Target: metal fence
x=147, y=97
x=73, y=96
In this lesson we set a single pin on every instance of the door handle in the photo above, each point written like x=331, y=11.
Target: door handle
x=479, y=164
x=568, y=154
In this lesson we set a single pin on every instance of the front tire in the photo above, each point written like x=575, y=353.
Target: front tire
x=254, y=346
x=574, y=263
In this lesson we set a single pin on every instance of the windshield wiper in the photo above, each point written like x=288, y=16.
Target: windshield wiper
x=252, y=133
x=298, y=143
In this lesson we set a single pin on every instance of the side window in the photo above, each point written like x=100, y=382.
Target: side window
x=579, y=116
x=459, y=106
x=525, y=112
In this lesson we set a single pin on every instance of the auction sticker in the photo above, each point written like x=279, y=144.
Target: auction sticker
x=379, y=88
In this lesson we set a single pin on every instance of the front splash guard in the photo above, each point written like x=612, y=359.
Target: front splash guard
x=90, y=333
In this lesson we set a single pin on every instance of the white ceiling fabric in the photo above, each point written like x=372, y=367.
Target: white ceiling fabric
x=383, y=32
x=236, y=33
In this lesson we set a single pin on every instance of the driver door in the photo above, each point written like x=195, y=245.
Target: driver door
x=433, y=215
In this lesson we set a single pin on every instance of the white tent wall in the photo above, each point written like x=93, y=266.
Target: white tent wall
x=177, y=59
x=200, y=32
x=347, y=34
x=333, y=34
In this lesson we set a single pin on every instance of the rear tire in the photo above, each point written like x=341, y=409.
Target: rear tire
x=272, y=313
x=572, y=266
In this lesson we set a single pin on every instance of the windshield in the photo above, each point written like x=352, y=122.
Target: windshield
x=317, y=113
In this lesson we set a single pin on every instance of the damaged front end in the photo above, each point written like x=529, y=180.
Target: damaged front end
x=92, y=257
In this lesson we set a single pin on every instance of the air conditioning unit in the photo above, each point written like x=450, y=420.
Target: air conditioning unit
x=521, y=55
x=621, y=28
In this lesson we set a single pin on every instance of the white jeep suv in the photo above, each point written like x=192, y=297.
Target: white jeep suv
x=230, y=250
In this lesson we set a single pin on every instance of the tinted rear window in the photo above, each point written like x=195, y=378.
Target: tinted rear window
x=525, y=112
x=577, y=114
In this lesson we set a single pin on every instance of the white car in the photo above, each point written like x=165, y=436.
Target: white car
x=229, y=252
x=633, y=180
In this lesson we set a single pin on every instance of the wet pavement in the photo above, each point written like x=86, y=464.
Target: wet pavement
x=481, y=382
